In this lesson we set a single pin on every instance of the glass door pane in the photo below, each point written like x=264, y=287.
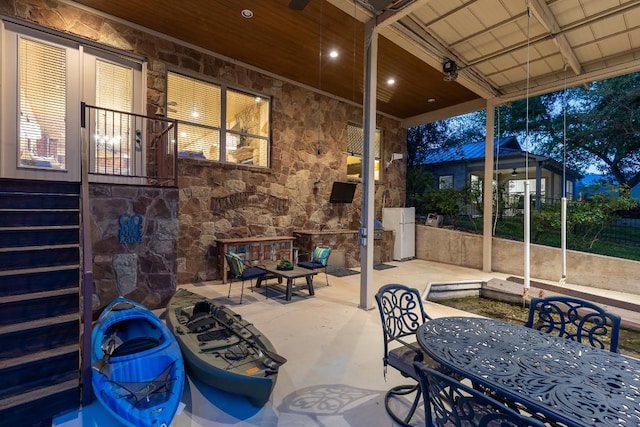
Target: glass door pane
x=42, y=105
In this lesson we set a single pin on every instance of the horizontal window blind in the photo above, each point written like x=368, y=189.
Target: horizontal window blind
x=42, y=104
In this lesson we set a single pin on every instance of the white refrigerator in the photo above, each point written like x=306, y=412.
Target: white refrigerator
x=403, y=223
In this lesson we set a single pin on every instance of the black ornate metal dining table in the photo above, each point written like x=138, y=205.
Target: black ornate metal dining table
x=566, y=382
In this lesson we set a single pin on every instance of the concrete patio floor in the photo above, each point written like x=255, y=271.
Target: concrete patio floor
x=334, y=375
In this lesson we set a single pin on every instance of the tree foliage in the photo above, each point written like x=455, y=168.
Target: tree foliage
x=586, y=219
x=598, y=126
x=423, y=138
x=603, y=127
x=420, y=140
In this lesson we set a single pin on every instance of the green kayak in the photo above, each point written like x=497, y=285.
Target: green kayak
x=222, y=349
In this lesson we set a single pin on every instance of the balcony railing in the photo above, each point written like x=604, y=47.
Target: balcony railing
x=129, y=148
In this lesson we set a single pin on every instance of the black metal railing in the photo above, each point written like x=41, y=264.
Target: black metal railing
x=128, y=145
x=618, y=235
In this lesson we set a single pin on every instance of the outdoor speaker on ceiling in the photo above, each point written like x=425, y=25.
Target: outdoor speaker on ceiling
x=449, y=70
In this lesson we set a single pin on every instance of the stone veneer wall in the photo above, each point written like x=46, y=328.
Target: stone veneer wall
x=344, y=243
x=144, y=271
x=308, y=144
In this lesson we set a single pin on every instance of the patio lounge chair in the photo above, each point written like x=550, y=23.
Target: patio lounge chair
x=319, y=260
x=238, y=271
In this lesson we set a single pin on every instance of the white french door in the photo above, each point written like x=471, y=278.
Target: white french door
x=117, y=140
x=44, y=80
x=38, y=118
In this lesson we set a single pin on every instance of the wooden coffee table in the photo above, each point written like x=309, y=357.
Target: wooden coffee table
x=289, y=275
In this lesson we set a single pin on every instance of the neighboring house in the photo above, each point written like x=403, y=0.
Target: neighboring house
x=591, y=184
x=462, y=165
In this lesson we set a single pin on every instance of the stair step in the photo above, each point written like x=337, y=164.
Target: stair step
x=23, y=338
x=48, y=269
x=19, y=217
x=39, y=323
x=40, y=393
x=36, y=374
x=35, y=356
x=30, y=309
x=39, y=187
x=11, y=200
x=40, y=257
x=37, y=295
x=22, y=237
x=39, y=411
x=40, y=280
x=39, y=248
x=39, y=228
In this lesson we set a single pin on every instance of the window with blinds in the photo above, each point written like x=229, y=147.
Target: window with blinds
x=115, y=135
x=236, y=131
x=41, y=105
x=355, y=150
x=247, y=128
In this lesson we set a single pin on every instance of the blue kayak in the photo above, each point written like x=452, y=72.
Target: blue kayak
x=138, y=371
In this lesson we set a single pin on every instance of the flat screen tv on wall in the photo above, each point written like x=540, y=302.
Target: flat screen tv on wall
x=342, y=192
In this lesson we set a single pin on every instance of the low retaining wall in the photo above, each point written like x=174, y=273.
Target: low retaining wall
x=465, y=250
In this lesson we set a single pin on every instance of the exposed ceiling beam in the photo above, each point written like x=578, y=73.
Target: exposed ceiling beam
x=445, y=113
x=602, y=72
x=545, y=16
x=389, y=17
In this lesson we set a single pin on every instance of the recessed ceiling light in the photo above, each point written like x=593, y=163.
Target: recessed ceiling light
x=431, y=100
x=246, y=13
x=333, y=54
x=391, y=81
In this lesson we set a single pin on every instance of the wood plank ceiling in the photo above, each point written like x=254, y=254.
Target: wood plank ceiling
x=502, y=52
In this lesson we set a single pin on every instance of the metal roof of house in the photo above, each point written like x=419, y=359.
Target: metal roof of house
x=473, y=151
x=507, y=148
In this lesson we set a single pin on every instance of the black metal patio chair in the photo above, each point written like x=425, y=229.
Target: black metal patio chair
x=450, y=403
x=576, y=319
x=401, y=313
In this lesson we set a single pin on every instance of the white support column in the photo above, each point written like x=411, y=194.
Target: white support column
x=368, y=159
x=487, y=224
x=538, y=186
x=527, y=239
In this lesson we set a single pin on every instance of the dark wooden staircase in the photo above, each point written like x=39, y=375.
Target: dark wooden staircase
x=39, y=301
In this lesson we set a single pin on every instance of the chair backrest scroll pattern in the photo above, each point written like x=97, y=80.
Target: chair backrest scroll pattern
x=576, y=319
